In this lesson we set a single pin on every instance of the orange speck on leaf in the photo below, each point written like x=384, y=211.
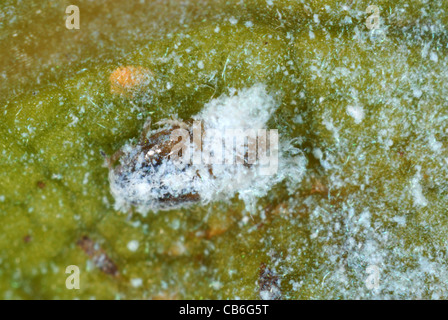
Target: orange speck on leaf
x=125, y=79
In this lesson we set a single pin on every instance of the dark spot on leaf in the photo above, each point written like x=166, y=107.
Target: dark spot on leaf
x=98, y=256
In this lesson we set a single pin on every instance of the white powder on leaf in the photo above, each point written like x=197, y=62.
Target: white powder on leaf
x=356, y=112
x=133, y=245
